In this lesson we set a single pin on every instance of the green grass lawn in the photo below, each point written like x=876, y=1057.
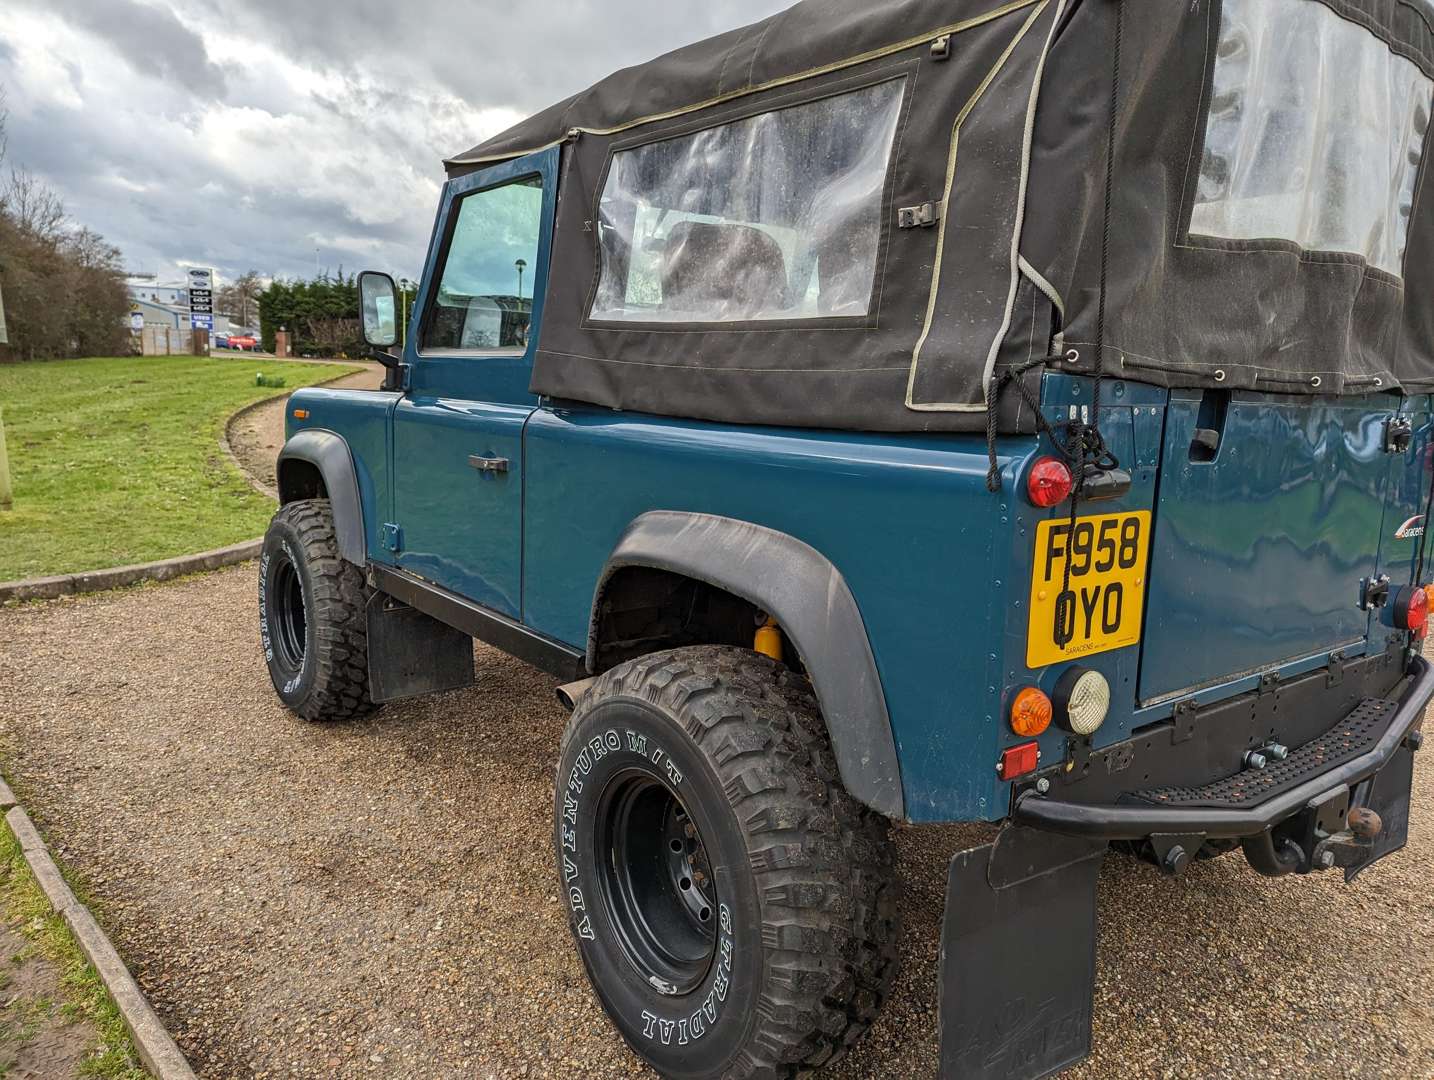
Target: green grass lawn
x=85, y=998
x=116, y=461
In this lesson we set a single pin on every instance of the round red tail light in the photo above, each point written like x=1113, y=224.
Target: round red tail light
x=1049, y=482
x=1411, y=610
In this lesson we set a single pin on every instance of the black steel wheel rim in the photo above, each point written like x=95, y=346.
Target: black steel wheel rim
x=290, y=622
x=656, y=882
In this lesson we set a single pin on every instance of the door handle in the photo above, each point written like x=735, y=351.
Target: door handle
x=488, y=464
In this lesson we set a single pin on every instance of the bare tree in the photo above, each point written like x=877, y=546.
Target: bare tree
x=33, y=206
x=64, y=289
x=240, y=298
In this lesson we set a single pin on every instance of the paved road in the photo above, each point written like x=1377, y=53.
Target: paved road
x=377, y=900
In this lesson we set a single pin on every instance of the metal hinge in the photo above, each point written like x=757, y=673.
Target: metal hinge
x=1184, y=718
x=1398, y=435
x=1373, y=592
x=912, y=217
x=941, y=48
x=1334, y=676
x=391, y=536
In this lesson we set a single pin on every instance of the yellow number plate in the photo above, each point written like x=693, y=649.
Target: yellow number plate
x=1107, y=585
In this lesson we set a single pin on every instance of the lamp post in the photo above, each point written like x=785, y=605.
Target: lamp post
x=403, y=286
x=521, y=264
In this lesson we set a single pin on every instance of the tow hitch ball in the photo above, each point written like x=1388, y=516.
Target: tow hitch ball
x=1349, y=846
x=1276, y=856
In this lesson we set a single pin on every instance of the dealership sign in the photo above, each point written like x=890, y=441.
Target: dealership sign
x=201, y=299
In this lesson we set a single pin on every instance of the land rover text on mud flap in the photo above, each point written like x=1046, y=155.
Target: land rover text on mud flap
x=945, y=410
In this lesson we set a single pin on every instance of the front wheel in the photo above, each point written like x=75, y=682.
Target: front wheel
x=312, y=618
x=735, y=908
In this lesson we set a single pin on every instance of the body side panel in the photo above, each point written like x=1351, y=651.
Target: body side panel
x=906, y=521
x=358, y=419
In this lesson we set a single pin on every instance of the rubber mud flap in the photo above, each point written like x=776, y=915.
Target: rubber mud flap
x=1390, y=793
x=410, y=653
x=1018, y=957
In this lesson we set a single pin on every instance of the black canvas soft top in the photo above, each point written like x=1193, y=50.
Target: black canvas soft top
x=803, y=42
x=992, y=230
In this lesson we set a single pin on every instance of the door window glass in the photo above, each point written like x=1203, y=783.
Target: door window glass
x=484, y=300
x=1315, y=134
x=777, y=216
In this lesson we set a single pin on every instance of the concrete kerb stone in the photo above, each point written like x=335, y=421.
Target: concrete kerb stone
x=49, y=588
x=157, y=1050
x=7, y=797
x=227, y=446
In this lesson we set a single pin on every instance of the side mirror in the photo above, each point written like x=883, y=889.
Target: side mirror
x=378, y=303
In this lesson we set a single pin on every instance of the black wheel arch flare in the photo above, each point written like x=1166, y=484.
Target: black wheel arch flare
x=327, y=453
x=811, y=601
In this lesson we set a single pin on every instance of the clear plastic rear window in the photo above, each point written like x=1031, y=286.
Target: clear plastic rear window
x=1315, y=135
x=773, y=217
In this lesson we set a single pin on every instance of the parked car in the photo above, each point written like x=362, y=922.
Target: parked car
x=1075, y=482
x=221, y=341
x=244, y=343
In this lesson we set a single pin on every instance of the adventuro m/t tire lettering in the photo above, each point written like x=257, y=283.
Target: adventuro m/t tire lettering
x=792, y=878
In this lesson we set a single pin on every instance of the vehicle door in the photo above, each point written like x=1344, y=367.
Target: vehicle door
x=458, y=430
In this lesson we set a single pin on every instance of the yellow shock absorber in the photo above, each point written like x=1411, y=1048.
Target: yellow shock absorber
x=769, y=640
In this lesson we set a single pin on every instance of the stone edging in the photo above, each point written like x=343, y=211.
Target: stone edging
x=227, y=447
x=48, y=588
x=157, y=1050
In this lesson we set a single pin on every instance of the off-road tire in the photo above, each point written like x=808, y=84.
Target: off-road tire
x=806, y=892
x=318, y=656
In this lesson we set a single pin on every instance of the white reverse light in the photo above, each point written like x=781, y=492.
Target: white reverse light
x=1081, y=699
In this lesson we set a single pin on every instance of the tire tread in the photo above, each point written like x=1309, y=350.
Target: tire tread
x=340, y=598
x=824, y=864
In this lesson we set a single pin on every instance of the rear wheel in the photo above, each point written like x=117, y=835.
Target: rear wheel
x=734, y=907
x=312, y=616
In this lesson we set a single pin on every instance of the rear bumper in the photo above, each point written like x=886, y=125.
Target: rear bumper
x=1136, y=821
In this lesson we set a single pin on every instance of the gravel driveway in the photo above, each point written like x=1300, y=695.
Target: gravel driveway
x=378, y=900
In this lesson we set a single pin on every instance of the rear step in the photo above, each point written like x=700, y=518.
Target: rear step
x=1356, y=734
x=1365, y=742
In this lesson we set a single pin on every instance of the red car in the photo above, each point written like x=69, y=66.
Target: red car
x=244, y=344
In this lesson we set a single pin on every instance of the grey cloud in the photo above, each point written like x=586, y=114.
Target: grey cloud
x=494, y=54
x=402, y=87
x=152, y=40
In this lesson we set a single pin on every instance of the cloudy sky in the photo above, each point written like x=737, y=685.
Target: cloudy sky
x=247, y=134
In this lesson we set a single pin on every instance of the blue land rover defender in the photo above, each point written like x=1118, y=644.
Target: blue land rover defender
x=939, y=410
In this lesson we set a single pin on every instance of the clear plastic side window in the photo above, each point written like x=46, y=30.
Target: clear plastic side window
x=484, y=301
x=1315, y=134
x=777, y=216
